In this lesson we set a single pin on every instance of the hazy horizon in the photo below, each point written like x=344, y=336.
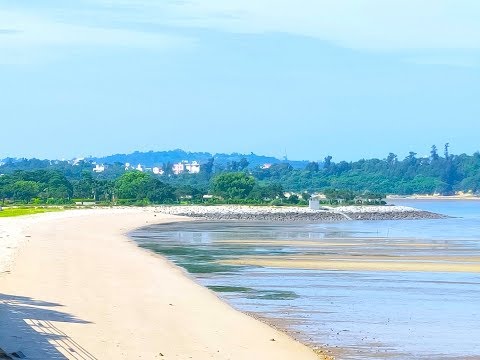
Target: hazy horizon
x=401, y=156
x=351, y=79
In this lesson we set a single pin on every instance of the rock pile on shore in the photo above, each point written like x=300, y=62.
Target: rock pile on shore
x=271, y=213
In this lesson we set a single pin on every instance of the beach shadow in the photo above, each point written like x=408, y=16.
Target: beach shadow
x=27, y=330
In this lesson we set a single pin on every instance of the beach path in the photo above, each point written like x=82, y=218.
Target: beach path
x=80, y=289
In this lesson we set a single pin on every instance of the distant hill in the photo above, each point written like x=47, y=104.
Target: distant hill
x=153, y=158
x=73, y=168
x=158, y=158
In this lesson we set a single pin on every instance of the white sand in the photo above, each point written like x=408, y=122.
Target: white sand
x=79, y=289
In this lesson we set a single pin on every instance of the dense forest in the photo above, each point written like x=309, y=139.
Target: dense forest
x=56, y=182
x=445, y=174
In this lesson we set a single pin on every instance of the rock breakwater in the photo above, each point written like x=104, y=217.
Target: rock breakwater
x=283, y=214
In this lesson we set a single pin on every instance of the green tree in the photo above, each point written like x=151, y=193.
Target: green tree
x=306, y=196
x=85, y=187
x=232, y=166
x=132, y=185
x=237, y=185
x=267, y=192
x=185, y=191
x=243, y=164
x=391, y=159
x=58, y=187
x=327, y=162
x=158, y=192
x=339, y=194
x=312, y=166
x=206, y=170
x=24, y=190
x=434, y=153
x=293, y=199
x=103, y=190
x=411, y=158
x=167, y=168
x=446, y=153
x=137, y=185
x=5, y=188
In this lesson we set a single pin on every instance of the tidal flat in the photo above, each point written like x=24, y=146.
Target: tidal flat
x=377, y=289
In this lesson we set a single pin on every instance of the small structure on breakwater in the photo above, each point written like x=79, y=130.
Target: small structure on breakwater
x=314, y=204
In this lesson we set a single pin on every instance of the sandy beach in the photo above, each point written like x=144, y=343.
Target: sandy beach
x=78, y=288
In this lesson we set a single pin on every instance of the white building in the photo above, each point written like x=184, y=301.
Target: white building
x=178, y=168
x=99, y=168
x=192, y=168
x=140, y=167
x=76, y=161
x=157, y=170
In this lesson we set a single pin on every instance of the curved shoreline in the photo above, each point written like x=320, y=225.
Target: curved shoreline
x=80, y=285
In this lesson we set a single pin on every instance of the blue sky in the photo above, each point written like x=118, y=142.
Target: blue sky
x=352, y=78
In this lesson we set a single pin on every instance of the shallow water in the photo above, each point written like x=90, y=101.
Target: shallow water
x=360, y=314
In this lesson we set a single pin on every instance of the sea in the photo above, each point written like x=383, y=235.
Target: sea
x=403, y=289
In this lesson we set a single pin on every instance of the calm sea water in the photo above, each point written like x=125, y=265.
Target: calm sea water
x=358, y=314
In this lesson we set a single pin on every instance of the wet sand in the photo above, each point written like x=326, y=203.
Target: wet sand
x=380, y=263
x=360, y=255
x=80, y=289
x=363, y=254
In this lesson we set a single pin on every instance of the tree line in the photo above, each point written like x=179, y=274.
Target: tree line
x=44, y=181
x=131, y=188
x=134, y=187
x=444, y=174
x=414, y=174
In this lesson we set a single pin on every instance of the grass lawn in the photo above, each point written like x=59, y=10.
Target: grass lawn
x=9, y=212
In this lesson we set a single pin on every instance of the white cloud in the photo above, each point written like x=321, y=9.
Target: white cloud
x=24, y=35
x=383, y=25
x=361, y=24
x=411, y=27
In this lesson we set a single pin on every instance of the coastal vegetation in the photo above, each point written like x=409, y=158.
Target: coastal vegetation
x=21, y=211
x=41, y=182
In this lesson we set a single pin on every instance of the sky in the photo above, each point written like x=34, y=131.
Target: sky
x=307, y=78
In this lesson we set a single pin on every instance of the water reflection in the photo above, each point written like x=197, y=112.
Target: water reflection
x=367, y=314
